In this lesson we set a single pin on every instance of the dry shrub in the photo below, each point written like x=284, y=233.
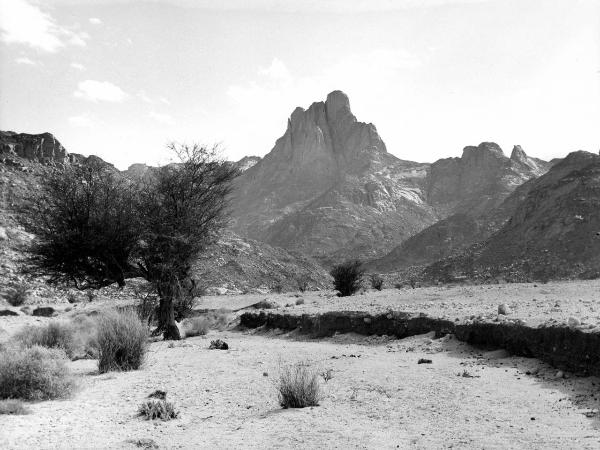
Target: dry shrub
x=157, y=409
x=18, y=294
x=298, y=386
x=196, y=326
x=376, y=281
x=13, y=407
x=347, y=277
x=58, y=335
x=122, y=341
x=34, y=373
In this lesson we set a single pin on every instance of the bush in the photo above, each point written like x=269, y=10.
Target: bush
x=196, y=326
x=18, y=294
x=302, y=284
x=347, y=277
x=58, y=335
x=14, y=407
x=298, y=386
x=376, y=281
x=122, y=341
x=34, y=373
x=218, y=345
x=157, y=409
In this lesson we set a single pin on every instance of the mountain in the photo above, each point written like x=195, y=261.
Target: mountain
x=233, y=264
x=553, y=231
x=330, y=189
x=476, y=189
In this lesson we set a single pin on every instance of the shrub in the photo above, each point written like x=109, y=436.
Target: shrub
x=17, y=294
x=302, y=284
x=218, y=345
x=376, y=281
x=122, y=341
x=196, y=326
x=14, y=407
x=157, y=409
x=34, y=373
x=298, y=386
x=58, y=335
x=347, y=277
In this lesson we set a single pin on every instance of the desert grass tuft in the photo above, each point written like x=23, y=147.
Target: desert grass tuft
x=13, y=407
x=58, y=335
x=298, y=386
x=122, y=341
x=157, y=409
x=34, y=373
x=196, y=326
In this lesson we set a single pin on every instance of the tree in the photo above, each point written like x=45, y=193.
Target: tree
x=87, y=227
x=184, y=208
x=96, y=227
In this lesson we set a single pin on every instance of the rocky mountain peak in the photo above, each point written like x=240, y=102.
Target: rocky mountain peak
x=337, y=102
x=518, y=154
x=44, y=147
x=484, y=151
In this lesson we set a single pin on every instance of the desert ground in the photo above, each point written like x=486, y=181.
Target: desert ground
x=378, y=396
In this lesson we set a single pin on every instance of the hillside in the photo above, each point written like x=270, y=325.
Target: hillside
x=552, y=232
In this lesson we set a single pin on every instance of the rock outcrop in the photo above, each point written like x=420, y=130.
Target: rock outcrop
x=330, y=189
x=552, y=231
x=43, y=148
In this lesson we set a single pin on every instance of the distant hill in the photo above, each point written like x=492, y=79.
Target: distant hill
x=553, y=231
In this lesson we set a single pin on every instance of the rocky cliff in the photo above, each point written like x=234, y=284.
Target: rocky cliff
x=329, y=188
x=43, y=148
x=553, y=231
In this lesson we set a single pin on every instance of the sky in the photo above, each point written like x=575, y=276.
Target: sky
x=121, y=79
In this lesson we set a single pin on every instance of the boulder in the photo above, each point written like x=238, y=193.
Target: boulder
x=44, y=311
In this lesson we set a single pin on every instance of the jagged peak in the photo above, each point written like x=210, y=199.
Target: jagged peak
x=484, y=148
x=518, y=154
x=336, y=101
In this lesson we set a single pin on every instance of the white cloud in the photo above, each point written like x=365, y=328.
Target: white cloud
x=100, y=91
x=82, y=121
x=77, y=66
x=26, y=61
x=95, y=21
x=24, y=23
x=165, y=119
x=276, y=71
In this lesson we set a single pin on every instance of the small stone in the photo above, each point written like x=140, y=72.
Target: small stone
x=503, y=309
x=573, y=322
x=265, y=374
x=43, y=311
x=559, y=374
x=367, y=320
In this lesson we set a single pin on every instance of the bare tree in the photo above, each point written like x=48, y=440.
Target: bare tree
x=184, y=207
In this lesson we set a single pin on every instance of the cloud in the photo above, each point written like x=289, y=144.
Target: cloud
x=100, y=91
x=26, y=61
x=95, y=21
x=143, y=96
x=24, y=23
x=82, y=121
x=77, y=66
x=165, y=119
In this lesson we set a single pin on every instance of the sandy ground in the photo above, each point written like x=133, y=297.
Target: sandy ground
x=532, y=303
x=379, y=397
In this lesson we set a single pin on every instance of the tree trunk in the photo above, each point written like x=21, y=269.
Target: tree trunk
x=166, y=315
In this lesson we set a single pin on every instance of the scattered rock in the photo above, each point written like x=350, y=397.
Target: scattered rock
x=559, y=374
x=161, y=395
x=424, y=361
x=8, y=312
x=144, y=443
x=573, y=322
x=504, y=309
x=218, y=345
x=3, y=234
x=44, y=311
x=26, y=310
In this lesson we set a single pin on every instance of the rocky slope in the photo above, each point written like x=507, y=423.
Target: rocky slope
x=553, y=231
x=475, y=189
x=330, y=189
